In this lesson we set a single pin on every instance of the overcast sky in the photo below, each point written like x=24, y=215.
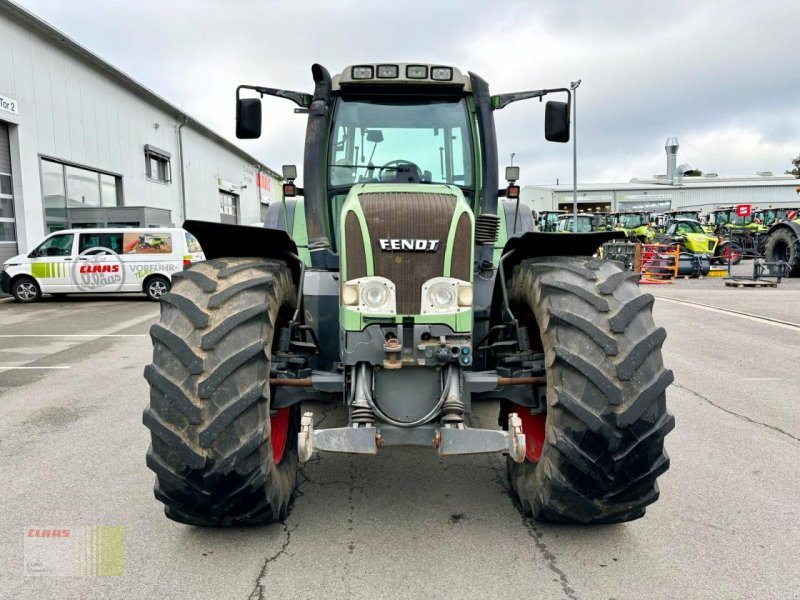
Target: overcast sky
x=722, y=76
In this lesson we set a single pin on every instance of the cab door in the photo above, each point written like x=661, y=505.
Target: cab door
x=52, y=263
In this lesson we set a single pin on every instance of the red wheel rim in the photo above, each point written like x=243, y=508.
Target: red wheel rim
x=533, y=426
x=729, y=253
x=279, y=432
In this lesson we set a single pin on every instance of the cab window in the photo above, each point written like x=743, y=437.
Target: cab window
x=92, y=243
x=58, y=245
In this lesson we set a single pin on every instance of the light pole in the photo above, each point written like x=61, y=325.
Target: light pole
x=574, y=87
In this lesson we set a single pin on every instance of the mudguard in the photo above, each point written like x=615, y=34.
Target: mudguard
x=220, y=240
x=534, y=244
x=790, y=225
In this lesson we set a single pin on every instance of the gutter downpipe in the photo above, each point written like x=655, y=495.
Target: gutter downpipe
x=183, y=180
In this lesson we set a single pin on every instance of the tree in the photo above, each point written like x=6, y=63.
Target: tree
x=796, y=170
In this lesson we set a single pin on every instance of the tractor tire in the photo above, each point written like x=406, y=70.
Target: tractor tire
x=595, y=456
x=784, y=246
x=220, y=456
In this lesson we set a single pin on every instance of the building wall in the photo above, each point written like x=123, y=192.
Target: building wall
x=70, y=111
x=704, y=198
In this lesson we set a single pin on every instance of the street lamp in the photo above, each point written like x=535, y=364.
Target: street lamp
x=574, y=87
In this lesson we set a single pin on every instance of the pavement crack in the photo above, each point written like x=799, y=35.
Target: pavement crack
x=258, y=588
x=735, y=414
x=549, y=557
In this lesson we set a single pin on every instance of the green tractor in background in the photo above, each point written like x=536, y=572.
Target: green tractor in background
x=396, y=289
x=783, y=238
x=587, y=222
x=547, y=220
x=687, y=235
x=636, y=224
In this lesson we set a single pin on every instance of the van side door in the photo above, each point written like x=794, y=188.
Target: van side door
x=99, y=264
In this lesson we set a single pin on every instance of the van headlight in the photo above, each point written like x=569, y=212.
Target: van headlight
x=374, y=295
x=446, y=295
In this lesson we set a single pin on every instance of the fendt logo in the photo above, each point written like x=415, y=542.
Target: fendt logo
x=410, y=245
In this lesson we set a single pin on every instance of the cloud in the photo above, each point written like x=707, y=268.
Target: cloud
x=718, y=75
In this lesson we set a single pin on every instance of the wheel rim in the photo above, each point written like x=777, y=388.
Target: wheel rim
x=157, y=289
x=26, y=291
x=533, y=426
x=279, y=433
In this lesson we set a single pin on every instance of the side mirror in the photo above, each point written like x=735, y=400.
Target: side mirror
x=248, y=118
x=556, y=121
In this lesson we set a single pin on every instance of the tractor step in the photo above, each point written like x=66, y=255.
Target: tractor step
x=448, y=441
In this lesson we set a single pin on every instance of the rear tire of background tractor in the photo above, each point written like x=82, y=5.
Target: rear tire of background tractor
x=784, y=246
x=219, y=456
x=602, y=444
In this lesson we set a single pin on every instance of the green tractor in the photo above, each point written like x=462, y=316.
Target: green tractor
x=635, y=224
x=586, y=223
x=687, y=235
x=393, y=290
x=547, y=220
x=783, y=239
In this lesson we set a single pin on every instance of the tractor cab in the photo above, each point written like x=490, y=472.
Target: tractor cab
x=548, y=219
x=635, y=224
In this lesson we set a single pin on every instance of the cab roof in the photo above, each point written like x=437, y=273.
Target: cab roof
x=431, y=75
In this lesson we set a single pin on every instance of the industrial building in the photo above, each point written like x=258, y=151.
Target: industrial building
x=670, y=191
x=82, y=144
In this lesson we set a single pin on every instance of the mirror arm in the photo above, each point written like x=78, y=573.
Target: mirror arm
x=299, y=98
x=503, y=100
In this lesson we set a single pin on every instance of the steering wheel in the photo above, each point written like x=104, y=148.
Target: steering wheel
x=398, y=162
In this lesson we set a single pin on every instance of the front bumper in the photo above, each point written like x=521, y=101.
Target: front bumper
x=5, y=282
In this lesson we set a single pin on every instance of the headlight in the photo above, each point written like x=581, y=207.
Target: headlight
x=374, y=295
x=446, y=295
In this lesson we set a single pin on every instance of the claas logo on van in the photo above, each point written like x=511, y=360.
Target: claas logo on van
x=99, y=269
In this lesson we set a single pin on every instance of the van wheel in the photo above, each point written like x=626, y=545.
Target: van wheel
x=156, y=287
x=26, y=290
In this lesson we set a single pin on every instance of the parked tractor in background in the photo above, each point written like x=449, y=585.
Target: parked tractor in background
x=783, y=240
x=547, y=220
x=685, y=235
x=586, y=223
x=393, y=290
x=635, y=225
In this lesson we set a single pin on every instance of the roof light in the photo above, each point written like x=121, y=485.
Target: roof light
x=362, y=72
x=441, y=73
x=388, y=71
x=417, y=72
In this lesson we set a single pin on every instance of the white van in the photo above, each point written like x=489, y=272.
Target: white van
x=80, y=261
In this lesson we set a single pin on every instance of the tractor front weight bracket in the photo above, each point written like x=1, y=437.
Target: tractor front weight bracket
x=447, y=440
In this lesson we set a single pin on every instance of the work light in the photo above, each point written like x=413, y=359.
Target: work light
x=441, y=73
x=387, y=71
x=362, y=72
x=417, y=72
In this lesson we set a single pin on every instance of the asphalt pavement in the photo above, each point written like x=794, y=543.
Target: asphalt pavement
x=407, y=524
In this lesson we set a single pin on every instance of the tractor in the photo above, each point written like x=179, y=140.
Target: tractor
x=548, y=219
x=586, y=222
x=635, y=224
x=783, y=240
x=389, y=286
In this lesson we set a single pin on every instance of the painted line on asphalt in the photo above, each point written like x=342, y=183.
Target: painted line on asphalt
x=31, y=368
x=72, y=335
x=735, y=313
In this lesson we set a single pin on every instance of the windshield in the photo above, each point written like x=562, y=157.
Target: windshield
x=390, y=141
x=584, y=224
x=632, y=221
x=685, y=227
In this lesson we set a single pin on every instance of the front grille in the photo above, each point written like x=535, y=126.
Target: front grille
x=408, y=215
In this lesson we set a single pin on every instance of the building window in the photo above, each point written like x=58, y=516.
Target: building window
x=157, y=164
x=228, y=207
x=7, y=232
x=66, y=186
